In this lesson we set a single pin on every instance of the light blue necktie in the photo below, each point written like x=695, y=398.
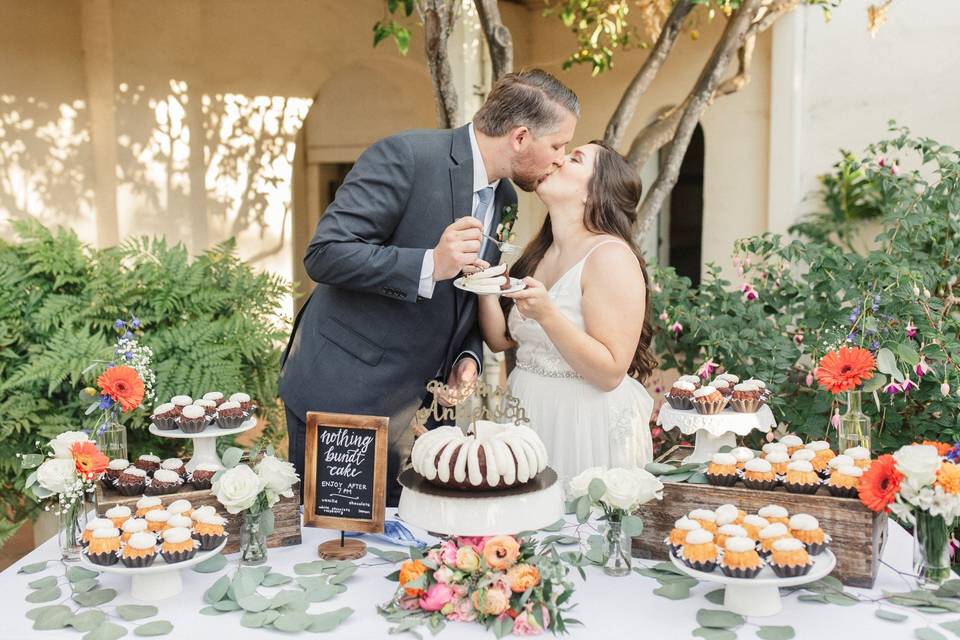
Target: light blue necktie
x=484, y=196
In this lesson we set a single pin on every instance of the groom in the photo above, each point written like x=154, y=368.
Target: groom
x=384, y=318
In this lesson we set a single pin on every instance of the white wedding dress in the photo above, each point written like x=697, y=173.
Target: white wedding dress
x=581, y=425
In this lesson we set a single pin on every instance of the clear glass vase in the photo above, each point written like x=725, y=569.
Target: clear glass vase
x=619, y=560
x=931, y=549
x=855, y=427
x=111, y=439
x=253, y=541
x=72, y=522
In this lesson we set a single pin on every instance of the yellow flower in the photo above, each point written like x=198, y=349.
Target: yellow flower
x=501, y=552
x=467, y=559
x=522, y=577
x=948, y=477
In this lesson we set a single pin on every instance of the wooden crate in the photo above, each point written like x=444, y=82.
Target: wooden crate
x=286, y=531
x=858, y=534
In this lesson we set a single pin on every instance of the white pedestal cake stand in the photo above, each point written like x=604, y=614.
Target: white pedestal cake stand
x=160, y=580
x=759, y=596
x=532, y=506
x=205, y=442
x=716, y=431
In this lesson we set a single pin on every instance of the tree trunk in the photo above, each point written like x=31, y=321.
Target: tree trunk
x=625, y=111
x=438, y=17
x=499, y=40
x=732, y=40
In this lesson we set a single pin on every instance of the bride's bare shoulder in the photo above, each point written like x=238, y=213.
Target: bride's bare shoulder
x=612, y=263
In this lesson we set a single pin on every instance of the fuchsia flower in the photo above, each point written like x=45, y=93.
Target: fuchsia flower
x=435, y=597
x=809, y=379
x=892, y=388
x=908, y=385
x=911, y=330
x=749, y=293
x=944, y=389
x=676, y=327
x=835, y=419
x=922, y=367
x=706, y=369
x=664, y=317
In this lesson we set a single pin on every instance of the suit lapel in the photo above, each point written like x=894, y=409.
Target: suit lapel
x=461, y=189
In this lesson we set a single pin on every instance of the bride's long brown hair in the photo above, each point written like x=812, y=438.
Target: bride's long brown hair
x=613, y=194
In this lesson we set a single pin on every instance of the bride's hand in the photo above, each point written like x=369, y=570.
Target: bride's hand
x=533, y=302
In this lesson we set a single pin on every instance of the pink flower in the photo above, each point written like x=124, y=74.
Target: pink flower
x=911, y=330
x=525, y=624
x=835, y=419
x=881, y=161
x=706, y=369
x=477, y=542
x=664, y=317
x=908, y=385
x=944, y=389
x=798, y=339
x=409, y=603
x=770, y=437
x=892, y=388
x=922, y=367
x=676, y=327
x=751, y=295
x=443, y=575
x=435, y=597
x=463, y=611
x=448, y=553
x=433, y=555
x=745, y=287
x=809, y=380
x=894, y=169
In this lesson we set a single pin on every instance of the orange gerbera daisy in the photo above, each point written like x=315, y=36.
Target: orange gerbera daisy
x=845, y=369
x=123, y=385
x=880, y=484
x=948, y=477
x=942, y=447
x=89, y=461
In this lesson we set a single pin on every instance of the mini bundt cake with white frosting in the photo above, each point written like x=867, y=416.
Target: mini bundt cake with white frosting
x=497, y=456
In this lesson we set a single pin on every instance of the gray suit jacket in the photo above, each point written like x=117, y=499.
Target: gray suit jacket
x=365, y=342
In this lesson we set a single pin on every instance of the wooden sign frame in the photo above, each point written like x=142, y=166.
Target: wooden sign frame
x=379, y=425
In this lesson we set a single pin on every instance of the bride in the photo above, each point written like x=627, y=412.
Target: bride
x=580, y=328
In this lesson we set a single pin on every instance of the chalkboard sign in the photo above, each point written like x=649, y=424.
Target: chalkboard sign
x=346, y=472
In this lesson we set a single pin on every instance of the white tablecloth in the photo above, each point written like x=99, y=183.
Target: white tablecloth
x=608, y=607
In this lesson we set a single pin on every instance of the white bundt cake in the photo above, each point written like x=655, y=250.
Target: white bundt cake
x=496, y=457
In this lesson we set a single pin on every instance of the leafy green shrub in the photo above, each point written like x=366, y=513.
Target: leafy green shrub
x=212, y=322
x=811, y=294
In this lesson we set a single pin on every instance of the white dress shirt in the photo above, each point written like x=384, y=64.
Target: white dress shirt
x=479, y=182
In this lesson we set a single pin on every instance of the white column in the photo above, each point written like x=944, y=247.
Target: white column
x=786, y=124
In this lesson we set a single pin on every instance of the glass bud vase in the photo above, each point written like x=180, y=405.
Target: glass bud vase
x=931, y=549
x=618, y=558
x=253, y=541
x=854, y=424
x=72, y=522
x=111, y=439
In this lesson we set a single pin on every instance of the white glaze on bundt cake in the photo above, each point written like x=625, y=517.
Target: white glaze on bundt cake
x=498, y=456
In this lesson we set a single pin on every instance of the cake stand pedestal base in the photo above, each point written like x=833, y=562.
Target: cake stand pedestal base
x=204, y=451
x=708, y=444
x=156, y=586
x=752, y=601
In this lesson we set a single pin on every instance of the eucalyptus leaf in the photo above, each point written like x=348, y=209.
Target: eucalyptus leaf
x=76, y=574
x=388, y=555
x=952, y=626
x=776, y=632
x=275, y=580
x=231, y=457
x=211, y=611
x=243, y=585
x=36, y=567
x=43, y=583
x=311, y=582
x=556, y=526
x=698, y=477
x=226, y=606
x=842, y=599
x=255, y=620
x=85, y=585
x=813, y=597
x=293, y=622
x=43, y=595
x=887, y=362
x=267, y=522
x=323, y=622
x=136, y=611
x=929, y=633
x=715, y=597
x=632, y=526
x=307, y=568
x=31, y=460
x=95, y=598
x=708, y=633
x=106, y=631
x=892, y=616
x=342, y=575
x=88, y=620
x=253, y=602
x=674, y=591
x=54, y=617
x=719, y=618
x=217, y=590
x=583, y=509
x=677, y=478
x=596, y=489
x=154, y=628
x=322, y=593
x=659, y=468
x=287, y=597
x=211, y=564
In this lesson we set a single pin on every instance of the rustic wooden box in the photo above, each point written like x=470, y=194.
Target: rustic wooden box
x=286, y=531
x=858, y=534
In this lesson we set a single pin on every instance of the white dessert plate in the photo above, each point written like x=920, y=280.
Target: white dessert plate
x=515, y=285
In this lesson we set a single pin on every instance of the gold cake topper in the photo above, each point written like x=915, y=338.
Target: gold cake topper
x=506, y=407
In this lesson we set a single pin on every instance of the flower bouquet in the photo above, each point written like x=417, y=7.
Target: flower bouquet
x=617, y=492
x=918, y=485
x=252, y=491
x=846, y=370
x=64, y=473
x=121, y=388
x=498, y=581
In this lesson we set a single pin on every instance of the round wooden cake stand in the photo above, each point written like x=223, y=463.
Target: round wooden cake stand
x=532, y=506
x=205, y=442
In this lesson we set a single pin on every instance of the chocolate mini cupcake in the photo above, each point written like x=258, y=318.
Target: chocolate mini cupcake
x=178, y=545
x=193, y=419
x=209, y=407
x=132, y=482
x=248, y=405
x=230, y=415
x=746, y=398
x=179, y=402
x=148, y=462
x=176, y=465
x=692, y=379
x=104, y=547
x=721, y=385
x=140, y=550
x=202, y=476
x=729, y=377
x=114, y=469
x=764, y=391
x=164, y=482
x=680, y=395
x=165, y=416
x=214, y=396
x=708, y=401
x=209, y=529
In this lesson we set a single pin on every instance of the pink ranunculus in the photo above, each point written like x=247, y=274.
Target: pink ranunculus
x=436, y=596
x=463, y=611
x=525, y=625
x=433, y=555
x=745, y=287
x=444, y=574
x=476, y=542
x=448, y=553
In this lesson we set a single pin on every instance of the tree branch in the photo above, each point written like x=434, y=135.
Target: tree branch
x=438, y=17
x=499, y=40
x=623, y=115
x=733, y=38
x=742, y=77
x=769, y=14
x=656, y=134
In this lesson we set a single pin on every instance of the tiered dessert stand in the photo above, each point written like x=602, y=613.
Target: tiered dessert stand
x=759, y=596
x=531, y=506
x=205, y=442
x=160, y=580
x=716, y=431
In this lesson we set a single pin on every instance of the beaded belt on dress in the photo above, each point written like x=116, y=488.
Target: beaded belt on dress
x=549, y=373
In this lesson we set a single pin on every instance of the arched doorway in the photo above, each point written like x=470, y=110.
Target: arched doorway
x=685, y=229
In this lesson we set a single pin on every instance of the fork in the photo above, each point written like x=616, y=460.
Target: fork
x=502, y=245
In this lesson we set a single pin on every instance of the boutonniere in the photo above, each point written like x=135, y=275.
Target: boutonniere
x=507, y=219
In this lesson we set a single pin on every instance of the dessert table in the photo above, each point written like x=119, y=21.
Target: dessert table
x=608, y=607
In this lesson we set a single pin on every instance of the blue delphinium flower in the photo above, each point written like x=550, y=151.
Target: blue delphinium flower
x=129, y=356
x=876, y=303
x=854, y=314
x=105, y=402
x=134, y=322
x=127, y=335
x=851, y=336
x=954, y=454
x=874, y=346
x=118, y=324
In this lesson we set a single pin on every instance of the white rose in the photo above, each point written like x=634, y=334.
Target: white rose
x=918, y=463
x=237, y=488
x=62, y=443
x=277, y=477
x=580, y=484
x=650, y=486
x=623, y=490
x=57, y=475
